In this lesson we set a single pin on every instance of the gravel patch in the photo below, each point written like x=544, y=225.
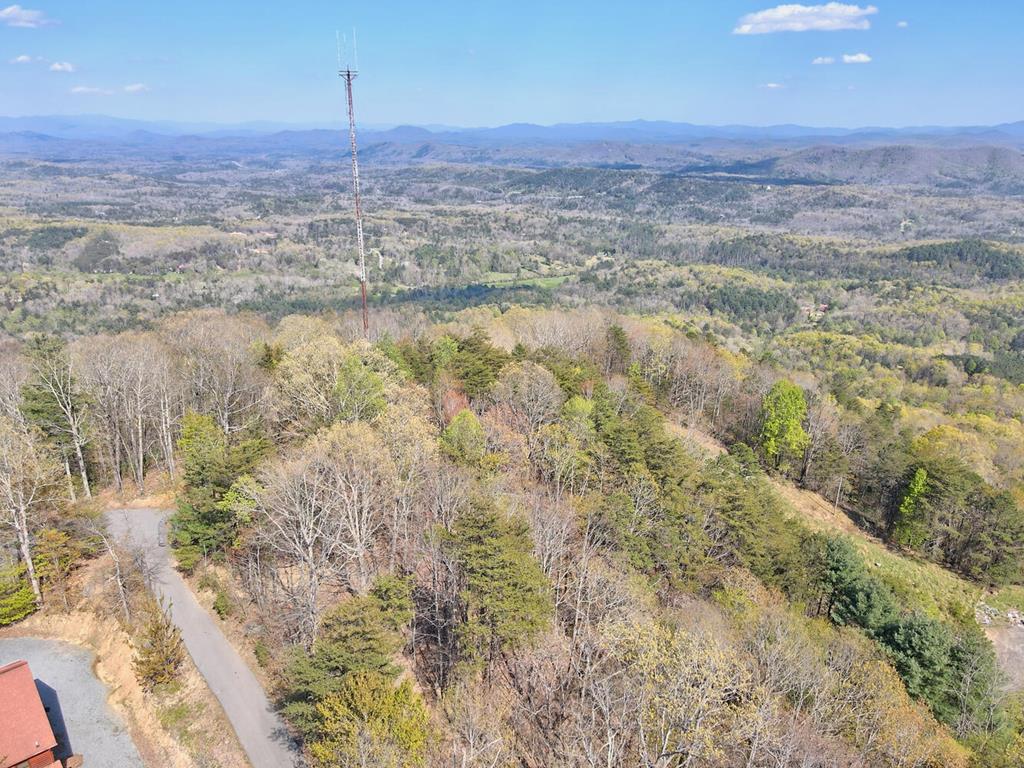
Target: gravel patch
x=76, y=701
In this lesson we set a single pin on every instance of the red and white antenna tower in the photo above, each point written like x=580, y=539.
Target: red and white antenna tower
x=348, y=73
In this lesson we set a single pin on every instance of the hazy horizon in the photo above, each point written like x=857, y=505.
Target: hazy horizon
x=435, y=127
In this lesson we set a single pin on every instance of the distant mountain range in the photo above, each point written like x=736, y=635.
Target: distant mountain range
x=102, y=127
x=983, y=158
x=106, y=127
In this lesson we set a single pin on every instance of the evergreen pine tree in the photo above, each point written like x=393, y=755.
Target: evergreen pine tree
x=506, y=593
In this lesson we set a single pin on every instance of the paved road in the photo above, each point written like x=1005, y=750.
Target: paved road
x=260, y=731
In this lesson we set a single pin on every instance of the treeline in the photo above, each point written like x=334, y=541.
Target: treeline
x=916, y=296
x=974, y=257
x=450, y=551
x=944, y=262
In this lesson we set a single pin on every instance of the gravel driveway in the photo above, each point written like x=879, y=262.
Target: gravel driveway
x=75, y=700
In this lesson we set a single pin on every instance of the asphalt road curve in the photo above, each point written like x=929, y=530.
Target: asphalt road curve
x=260, y=731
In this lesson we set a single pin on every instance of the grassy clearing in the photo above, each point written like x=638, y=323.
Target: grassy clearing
x=937, y=592
x=534, y=282
x=1008, y=599
x=175, y=717
x=931, y=588
x=184, y=721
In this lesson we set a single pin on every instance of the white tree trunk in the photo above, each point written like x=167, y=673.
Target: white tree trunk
x=25, y=547
x=81, y=466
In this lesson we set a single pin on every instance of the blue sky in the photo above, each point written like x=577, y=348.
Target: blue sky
x=489, y=63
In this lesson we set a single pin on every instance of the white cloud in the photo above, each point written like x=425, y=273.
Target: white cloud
x=856, y=58
x=23, y=59
x=62, y=66
x=805, y=18
x=824, y=60
x=136, y=88
x=773, y=86
x=16, y=16
x=88, y=90
x=902, y=24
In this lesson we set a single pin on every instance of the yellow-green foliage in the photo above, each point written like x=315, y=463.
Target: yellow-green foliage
x=372, y=721
x=463, y=439
x=16, y=598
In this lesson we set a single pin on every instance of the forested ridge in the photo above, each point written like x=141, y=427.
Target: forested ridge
x=496, y=541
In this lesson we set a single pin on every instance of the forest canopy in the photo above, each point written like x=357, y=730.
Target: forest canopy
x=450, y=546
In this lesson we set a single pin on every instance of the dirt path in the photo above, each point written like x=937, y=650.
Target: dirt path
x=1009, y=645
x=260, y=730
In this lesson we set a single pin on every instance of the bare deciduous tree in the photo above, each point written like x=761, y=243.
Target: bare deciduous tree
x=120, y=373
x=822, y=424
x=28, y=488
x=411, y=442
x=530, y=394
x=218, y=355
x=479, y=738
x=13, y=375
x=320, y=513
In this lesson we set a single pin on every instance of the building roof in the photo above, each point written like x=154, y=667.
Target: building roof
x=26, y=730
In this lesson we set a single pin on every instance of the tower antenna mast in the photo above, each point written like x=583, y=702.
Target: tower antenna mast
x=348, y=74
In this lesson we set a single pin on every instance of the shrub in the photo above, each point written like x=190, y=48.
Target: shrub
x=262, y=653
x=16, y=598
x=222, y=604
x=188, y=557
x=208, y=581
x=159, y=651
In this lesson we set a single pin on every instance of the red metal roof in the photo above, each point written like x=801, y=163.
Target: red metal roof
x=24, y=728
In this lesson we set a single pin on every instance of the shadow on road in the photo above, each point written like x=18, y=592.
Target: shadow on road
x=51, y=703
x=284, y=737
